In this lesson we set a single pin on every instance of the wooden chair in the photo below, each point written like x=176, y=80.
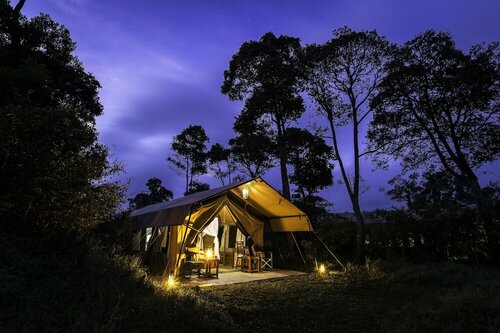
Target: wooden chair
x=239, y=254
x=266, y=261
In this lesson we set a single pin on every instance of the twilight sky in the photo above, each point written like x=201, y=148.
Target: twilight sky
x=161, y=63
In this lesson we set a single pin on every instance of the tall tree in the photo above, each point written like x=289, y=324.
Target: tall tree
x=341, y=76
x=265, y=74
x=51, y=164
x=156, y=193
x=189, y=154
x=439, y=105
x=310, y=158
x=221, y=163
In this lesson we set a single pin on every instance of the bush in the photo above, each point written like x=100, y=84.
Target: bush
x=71, y=283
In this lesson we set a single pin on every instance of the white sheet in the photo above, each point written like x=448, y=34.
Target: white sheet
x=212, y=229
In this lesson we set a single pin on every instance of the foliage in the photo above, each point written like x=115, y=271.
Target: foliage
x=157, y=193
x=189, y=157
x=197, y=186
x=309, y=156
x=253, y=149
x=221, y=162
x=438, y=105
x=53, y=170
x=71, y=283
x=265, y=75
x=341, y=76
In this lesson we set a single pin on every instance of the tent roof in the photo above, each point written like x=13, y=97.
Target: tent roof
x=264, y=202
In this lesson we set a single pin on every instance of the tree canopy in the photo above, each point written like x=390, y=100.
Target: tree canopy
x=52, y=167
x=189, y=157
x=440, y=105
x=156, y=193
x=265, y=75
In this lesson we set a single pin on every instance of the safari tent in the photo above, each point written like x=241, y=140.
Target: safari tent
x=225, y=214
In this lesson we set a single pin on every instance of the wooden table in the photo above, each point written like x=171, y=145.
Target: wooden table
x=250, y=264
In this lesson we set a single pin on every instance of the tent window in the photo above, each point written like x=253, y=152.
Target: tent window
x=232, y=236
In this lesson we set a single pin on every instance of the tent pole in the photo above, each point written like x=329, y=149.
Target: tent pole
x=182, y=243
x=298, y=248
x=328, y=249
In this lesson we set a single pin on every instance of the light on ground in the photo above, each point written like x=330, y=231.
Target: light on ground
x=171, y=281
x=322, y=269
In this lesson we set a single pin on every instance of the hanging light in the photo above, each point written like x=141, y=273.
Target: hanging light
x=244, y=192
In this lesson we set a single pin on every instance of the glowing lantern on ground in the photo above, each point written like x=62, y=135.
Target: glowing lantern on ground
x=322, y=269
x=171, y=281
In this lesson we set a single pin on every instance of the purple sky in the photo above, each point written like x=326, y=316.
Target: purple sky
x=161, y=63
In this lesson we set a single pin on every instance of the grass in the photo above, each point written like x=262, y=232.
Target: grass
x=74, y=284
x=376, y=298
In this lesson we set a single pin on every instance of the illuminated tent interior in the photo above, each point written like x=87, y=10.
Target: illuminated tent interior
x=219, y=217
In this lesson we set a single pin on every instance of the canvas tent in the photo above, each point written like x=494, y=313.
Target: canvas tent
x=170, y=227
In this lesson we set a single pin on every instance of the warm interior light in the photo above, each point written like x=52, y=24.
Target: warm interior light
x=171, y=281
x=322, y=269
x=244, y=192
x=209, y=254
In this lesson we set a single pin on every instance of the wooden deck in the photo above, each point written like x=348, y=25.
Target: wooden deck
x=231, y=277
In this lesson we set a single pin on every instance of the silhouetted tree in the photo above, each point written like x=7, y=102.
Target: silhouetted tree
x=157, y=193
x=341, y=76
x=438, y=104
x=189, y=156
x=221, y=163
x=265, y=75
x=197, y=186
x=310, y=157
x=52, y=168
x=254, y=149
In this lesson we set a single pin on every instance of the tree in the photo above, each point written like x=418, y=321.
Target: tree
x=197, y=186
x=157, y=193
x=189, y=157
x=341, y=76
x=254, y=149
x=221, y=163
x=312, y=171
x=52, y=169
x=438, y=105
x=265, y=75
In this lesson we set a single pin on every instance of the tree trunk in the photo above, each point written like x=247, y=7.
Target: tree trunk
x=353, y=192
x=360, y=239
x=283, y=156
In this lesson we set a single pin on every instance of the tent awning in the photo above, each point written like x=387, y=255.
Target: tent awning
x=263, y=203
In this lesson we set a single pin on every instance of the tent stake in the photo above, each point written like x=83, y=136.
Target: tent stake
x=298, y=248
x=328, y=249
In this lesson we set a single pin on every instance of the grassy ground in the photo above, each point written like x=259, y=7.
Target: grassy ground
x=383, y=298
x=72, y=284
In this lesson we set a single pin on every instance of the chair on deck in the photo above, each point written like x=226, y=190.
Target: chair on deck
x=239, y=254
x=266, y=261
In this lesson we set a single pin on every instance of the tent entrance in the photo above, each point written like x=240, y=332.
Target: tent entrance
x=223, y=235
